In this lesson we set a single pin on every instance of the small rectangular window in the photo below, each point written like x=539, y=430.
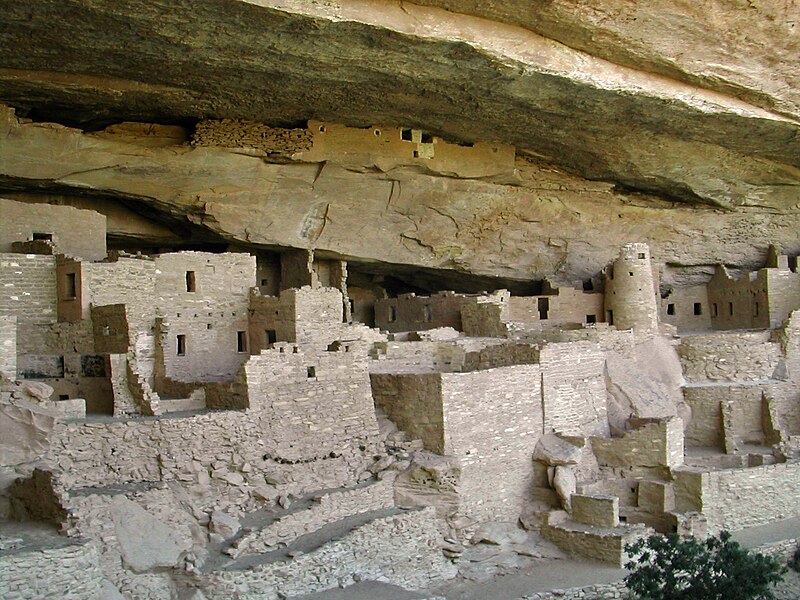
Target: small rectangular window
x=405, y=134
x=428, y=313
x=755, y=309
x=670, y=309
x=191, y=283
x=270, y=337
x=264, y=282
x=642, y=256
x=181, y=345
x=46, y=237
x=543, y=306
x=610, y=317
x=698, y=308
x=591, y=319
x=241, y=341
x=730, y=308
x=70, y=286
x=311, y=372
x=392, y=314
x=426, y=138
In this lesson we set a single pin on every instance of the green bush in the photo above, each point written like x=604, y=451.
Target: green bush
x=794, y=561
x=669, y=567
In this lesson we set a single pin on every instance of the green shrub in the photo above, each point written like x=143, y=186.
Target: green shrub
x=674, y=568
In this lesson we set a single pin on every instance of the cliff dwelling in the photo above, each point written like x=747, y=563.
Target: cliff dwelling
x=377, y=300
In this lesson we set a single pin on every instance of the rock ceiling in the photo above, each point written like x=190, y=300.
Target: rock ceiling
x=681, y=101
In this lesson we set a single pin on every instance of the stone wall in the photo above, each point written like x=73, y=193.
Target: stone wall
x=414, y=404
x=8, y=346
x=734, y=499
x=70, y=571
x=574, y=389
x=28, y=288
x=687, y=308
x=388, y=147
x=409, y=312
x=738, y=304
x=566, y=305
x=650, y=443
x=783, y=287
x=401, y=549
x=310, y=405
x=74, y=232
x=329, y=508
x=745, y=356
x=743, y=422
x=492, y=421
x=129, y=281
x=234, y=133
x=486, y=316
x=202, y=300
x=222, y=457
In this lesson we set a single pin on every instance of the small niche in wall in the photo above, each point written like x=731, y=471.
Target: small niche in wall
x=755, y=309
x=191, y=281
x=45, y=237
x=311, y=372
x=590, y=319
x=642, y=256
x=714, y=310
x=392, y=314
x=698, y=309
x=270, y=337
x=428, y=313
x=730, y=309
x=670, y=309
x=181, y=340
x=241, y=341
x=70, y=286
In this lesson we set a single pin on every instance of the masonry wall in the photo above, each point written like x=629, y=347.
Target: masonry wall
x=409, y=312
x=69, y=571
x=749, y=356
x=567, y=305
x=651, y=443
x=399, y=549
x=75, y=232
x=202, y=332
x=743, y=421
x=486, y=316
x=493, y=420
x=220, y=456
x=783, y=287
x=129, y=281
x=312, y=404
x=738, y=304
x=387, y=147
x=687, y=308
x=574, y=389
x=414, y=404
x=8, y=346
x=734, y=499
x=28, y=288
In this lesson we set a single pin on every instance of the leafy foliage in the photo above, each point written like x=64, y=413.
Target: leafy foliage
x=674, y=568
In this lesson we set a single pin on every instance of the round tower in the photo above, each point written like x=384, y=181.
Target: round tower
x=630, y=290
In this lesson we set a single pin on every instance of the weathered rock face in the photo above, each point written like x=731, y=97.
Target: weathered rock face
x=646, y=97
x=547, y=225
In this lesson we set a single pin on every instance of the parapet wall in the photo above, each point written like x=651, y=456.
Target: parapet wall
x=740, y=356
x=8, y=346
x=734, y=499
